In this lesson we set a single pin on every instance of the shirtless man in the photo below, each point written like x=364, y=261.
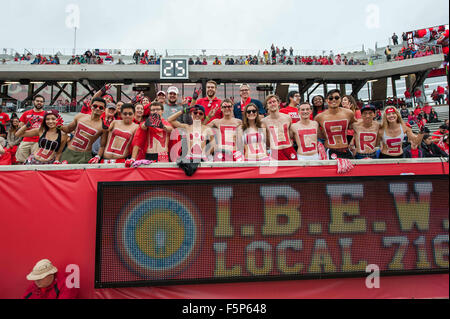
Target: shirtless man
x=87, y=127
x=116, y=140
x=335, y=123
x=228, y=135
x=305, y=134
x=366, y=134
x=198, y=133
x=153, y=137
x=278, y=126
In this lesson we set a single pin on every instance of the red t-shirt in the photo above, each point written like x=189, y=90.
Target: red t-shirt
x=4, y=118
x=417, y=111
x=440, y=90
x=415, y=153
x=407, y=95
x=209, y=105
x=292, y=112
x=27, y=117
x=245, y=103
x=418, y=93
x=427, y=109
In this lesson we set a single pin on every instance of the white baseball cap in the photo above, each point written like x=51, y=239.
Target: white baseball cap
x=173, y=89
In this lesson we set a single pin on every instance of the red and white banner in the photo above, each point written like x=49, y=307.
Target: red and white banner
x=52, y=214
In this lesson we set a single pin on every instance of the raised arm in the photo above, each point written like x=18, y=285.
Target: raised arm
x=101, y=92
x=413, y=137
x=72, y=126
x=22, y=132
x=173, y=119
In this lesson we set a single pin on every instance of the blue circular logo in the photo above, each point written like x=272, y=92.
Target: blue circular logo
x=157, y=234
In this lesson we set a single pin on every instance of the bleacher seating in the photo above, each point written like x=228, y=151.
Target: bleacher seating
x=443, y=114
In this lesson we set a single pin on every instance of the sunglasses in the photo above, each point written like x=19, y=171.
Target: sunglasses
x=198, y=113
x=337, y=98
x=100, y=107
x=128, y=114
x=252, y=112
x=227, y=106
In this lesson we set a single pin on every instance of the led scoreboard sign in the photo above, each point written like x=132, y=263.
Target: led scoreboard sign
x=173, y=69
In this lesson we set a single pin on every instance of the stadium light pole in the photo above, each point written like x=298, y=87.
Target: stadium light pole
x=75, y=41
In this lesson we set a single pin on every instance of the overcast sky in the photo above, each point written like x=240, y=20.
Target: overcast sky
x=228, y=25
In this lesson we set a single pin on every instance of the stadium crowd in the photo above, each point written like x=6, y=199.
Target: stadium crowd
x=209, y=129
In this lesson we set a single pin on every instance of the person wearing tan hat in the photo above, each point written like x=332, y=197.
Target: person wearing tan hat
x=48, y=283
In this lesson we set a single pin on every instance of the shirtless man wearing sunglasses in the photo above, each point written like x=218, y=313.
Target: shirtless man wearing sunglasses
x=116, y=140
x=335, y=123
x=228, y=135
x=87, y=127
x=198, y=134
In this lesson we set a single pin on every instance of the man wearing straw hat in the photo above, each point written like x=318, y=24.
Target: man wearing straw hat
x=48, y=283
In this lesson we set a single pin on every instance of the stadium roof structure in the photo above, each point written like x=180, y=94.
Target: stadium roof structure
x=305, y=76
x=224, y=73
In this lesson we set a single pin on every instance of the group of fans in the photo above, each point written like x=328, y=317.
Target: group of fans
x=209, y=129
x=411, y=52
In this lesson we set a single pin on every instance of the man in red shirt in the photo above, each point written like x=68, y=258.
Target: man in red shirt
x=408, y=99
x=441, y=94
x=35, y=118
x=4, y=118
x=443, y=129
x=291, y=109
x=419, y=98
x=211, y=103
x=48, y=283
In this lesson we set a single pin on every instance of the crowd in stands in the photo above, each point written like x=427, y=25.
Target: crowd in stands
x=90, y=58
x=411, y=52
x=40, y=59
x=148, y=131
x=277, y=56
x=269, y=57
x=145, y=58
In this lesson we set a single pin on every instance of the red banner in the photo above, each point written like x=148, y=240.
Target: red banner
x=52, y=214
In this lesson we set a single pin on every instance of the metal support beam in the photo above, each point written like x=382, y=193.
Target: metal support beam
x=304, y=86
x=61, y=89
x=420, y=78
x=74, y=91
x=204, y=87
x=394, y=86
x=34, y=93
x=122, y=92
x=342, y=89
x=357, y=86
x=311, y=92
x=119, y=93
x=91, y=91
